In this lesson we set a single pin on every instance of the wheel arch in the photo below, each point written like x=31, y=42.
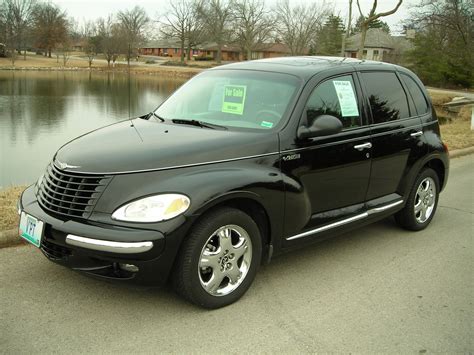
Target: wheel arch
x=249, y=203
x=438, y=166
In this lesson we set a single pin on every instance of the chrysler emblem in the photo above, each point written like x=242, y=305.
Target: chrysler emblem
x=63, y=166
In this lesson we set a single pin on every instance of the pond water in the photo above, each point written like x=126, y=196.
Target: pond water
x=40, y=111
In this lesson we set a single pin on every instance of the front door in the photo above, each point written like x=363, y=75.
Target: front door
x=329, y=175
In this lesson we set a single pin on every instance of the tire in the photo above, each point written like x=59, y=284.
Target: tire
x=422, y=202
x=219, y=259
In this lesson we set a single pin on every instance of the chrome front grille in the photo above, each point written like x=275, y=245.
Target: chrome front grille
x=69, y=193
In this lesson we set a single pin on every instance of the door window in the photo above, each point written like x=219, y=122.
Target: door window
x=387, y=98
x=336, y=97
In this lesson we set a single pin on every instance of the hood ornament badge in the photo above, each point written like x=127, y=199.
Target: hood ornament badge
x=63, y=166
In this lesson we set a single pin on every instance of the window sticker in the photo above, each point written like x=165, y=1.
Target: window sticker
x=347, y=99
x=234, y=99
x=266, y=124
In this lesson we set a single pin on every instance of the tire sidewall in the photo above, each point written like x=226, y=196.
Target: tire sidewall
x=411, y=207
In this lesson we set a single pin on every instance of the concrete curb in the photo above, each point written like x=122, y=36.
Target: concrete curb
x=10, y=237
x=461, y=152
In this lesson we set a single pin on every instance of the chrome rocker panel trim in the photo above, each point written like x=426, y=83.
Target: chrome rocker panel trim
x=346, y=221
x=108, y=246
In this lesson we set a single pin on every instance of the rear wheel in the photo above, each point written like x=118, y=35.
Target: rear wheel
x=422, y=202
x=219, y=259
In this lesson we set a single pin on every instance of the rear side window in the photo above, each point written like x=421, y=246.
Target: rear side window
x=387, y=98
x=416, y=93
x=336, y=97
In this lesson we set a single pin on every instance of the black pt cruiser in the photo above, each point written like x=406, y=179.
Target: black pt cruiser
x=243, y=162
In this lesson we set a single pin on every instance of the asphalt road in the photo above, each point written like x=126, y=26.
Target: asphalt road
x=378, y=289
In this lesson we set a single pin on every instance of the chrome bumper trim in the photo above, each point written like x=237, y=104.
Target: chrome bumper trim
x=108, y=246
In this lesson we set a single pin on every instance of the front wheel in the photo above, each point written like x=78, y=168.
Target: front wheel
x=219, y=259
x=422, y=202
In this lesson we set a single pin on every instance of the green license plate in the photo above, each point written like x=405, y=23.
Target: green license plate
x=31, y=229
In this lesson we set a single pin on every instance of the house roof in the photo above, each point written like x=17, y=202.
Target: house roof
x=212, y=46
x=375, y=38
x=162, y=43
x=273, y=47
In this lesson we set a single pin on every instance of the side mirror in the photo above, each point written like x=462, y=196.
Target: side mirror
x=323, y=125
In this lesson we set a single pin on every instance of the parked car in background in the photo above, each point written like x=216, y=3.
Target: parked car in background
x=243, y=162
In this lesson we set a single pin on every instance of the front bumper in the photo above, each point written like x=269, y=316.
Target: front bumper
x=107, y=251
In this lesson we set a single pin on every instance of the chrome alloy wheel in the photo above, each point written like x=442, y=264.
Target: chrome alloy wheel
x=425, y=200
x=225, y=260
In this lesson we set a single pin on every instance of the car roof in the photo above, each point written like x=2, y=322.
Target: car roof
x=304, y=66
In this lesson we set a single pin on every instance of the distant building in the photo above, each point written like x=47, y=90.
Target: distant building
x=79, y=45
x=379, y=45
x=162, y=48
x=229, y=52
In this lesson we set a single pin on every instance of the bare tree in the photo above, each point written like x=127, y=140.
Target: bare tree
x=89, y=34
x=367, y=20
x=111, y=42
x=347, y=33
x=252, y=24
x=298, y=25
x=50, y=26
x=215, y=16
x=181, y=22
x=17, y=18
x=133, y=23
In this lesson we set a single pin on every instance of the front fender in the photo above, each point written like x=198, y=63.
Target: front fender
x=257, y=179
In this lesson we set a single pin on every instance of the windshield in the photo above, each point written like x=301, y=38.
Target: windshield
x=232, y=98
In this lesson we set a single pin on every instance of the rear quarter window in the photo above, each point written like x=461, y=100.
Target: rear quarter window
x=421, y=104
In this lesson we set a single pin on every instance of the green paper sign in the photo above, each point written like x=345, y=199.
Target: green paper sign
x=234, y=99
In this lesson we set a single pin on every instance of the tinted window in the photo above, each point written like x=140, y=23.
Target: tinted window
x=336, y=97
x=387, y=98
x=416, y=93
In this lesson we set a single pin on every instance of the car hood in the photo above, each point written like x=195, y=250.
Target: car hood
x=148, y=145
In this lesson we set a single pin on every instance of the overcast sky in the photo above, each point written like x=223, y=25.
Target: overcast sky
x=92, y=9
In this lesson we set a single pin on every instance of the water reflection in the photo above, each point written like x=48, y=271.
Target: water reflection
x=40, y=111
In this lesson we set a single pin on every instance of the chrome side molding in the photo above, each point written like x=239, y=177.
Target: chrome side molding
x=329, y=226
x=346, y=221
x=108, y=246
x=384, y=208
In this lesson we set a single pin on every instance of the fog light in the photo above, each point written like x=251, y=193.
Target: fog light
x=129, y=267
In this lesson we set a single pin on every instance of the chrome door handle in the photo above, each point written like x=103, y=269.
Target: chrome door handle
x=416, y=134
x=361, y=147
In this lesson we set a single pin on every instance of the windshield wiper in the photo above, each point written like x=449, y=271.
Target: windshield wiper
x=152, y=113
x=198, y=123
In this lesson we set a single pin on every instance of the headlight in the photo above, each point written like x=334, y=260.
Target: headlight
x=153, y=208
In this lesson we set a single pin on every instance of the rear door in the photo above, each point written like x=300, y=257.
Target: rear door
x=395, y=135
